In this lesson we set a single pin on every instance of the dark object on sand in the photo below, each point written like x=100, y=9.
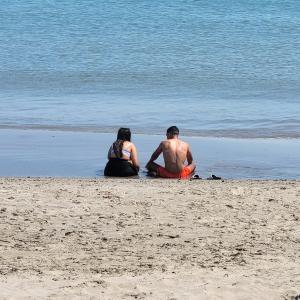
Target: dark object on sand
x=195, y=177
x=214, y=177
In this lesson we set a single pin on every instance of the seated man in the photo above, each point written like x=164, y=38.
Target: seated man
x=175, y=153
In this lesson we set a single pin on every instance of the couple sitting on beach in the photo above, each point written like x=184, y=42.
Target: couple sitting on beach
x=123, y=160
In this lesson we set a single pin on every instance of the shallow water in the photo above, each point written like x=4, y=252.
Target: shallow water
x=81, y=154
x=214, y=68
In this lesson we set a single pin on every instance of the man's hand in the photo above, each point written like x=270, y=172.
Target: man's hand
x=155, y=155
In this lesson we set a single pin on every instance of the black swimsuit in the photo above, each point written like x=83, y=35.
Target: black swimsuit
x=120, y=168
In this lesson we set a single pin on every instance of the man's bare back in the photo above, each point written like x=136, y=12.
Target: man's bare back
x=175, y=153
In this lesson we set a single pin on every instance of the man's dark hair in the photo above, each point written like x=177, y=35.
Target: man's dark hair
x=173, y=130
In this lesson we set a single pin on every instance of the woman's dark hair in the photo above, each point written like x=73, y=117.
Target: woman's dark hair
x=124, y=134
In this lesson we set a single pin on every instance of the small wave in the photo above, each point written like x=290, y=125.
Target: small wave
x=283, y=132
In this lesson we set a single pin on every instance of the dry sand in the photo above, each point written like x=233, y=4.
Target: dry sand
x=149, y=239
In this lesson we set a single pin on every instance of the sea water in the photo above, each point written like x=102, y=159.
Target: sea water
x=84, y=154
x=213, y=68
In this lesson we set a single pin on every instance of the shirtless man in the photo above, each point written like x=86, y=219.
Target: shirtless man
x=175, y=153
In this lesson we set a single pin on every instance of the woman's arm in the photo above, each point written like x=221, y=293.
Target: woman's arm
x=108, y=153
x=134, y=157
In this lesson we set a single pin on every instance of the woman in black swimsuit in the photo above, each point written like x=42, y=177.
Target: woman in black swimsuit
x=122, y=156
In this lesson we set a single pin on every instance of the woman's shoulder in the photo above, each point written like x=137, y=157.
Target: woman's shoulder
x=127, y=144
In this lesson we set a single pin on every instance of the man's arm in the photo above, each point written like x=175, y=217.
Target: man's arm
x=189, y=156
x=155, y=154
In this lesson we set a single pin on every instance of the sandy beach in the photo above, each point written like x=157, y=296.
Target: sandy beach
x=149, y=239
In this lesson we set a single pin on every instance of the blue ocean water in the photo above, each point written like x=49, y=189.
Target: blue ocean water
x=214, y=68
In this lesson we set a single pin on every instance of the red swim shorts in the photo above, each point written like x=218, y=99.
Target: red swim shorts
x=184, y=174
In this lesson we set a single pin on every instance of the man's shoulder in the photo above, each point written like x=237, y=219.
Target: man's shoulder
x=163, y=143
x=184, y=144
x=166, y=143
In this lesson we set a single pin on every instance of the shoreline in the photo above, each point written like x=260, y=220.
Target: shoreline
x=243, y=134
x=149, y=239
x=146, y=179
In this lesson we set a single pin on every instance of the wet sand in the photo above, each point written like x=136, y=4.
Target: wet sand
x=149, y=239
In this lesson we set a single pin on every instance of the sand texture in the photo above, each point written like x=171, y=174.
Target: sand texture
x=149, y=239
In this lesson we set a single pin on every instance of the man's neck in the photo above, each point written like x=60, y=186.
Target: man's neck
x=175, y=137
